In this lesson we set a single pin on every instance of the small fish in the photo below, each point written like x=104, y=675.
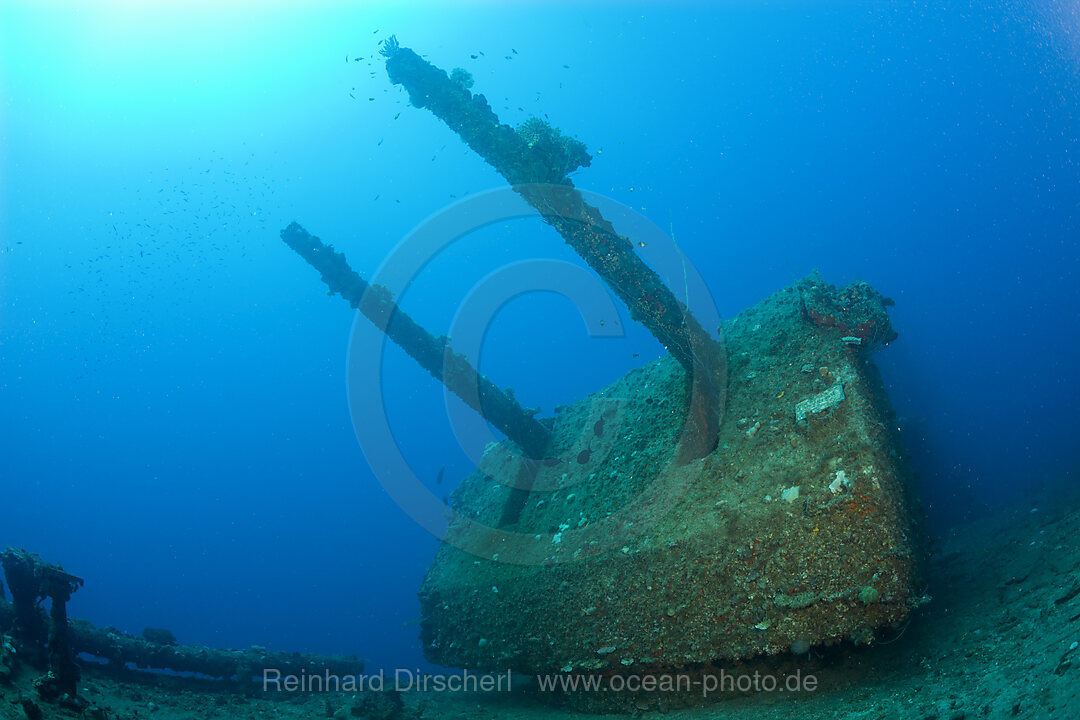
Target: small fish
x=474, y=56
x=583, y=456
x=598, y=427
x=513, y=51
x=439, y=476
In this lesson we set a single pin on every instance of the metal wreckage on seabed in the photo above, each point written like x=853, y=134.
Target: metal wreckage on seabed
x=734, y=499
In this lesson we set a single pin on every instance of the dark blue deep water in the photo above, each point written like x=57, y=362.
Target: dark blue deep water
x=175, y=422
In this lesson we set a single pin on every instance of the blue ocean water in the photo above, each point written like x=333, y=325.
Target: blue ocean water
x=176, y=427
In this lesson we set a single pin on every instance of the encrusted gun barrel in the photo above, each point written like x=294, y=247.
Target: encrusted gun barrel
x=536, y=160
x=432, y=353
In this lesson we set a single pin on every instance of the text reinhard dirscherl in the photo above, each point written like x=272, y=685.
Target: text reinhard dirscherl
x=273, y=680
x=401, y=679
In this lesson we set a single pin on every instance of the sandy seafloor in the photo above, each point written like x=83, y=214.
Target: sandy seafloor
x=996, y=641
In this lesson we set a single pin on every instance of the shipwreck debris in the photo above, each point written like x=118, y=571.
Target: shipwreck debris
x=120, y=648
x=857, y=312
x=821, y=401
x=32, y=580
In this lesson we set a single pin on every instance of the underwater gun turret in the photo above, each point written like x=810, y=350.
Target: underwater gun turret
x=536, y=159
x=656, y=546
